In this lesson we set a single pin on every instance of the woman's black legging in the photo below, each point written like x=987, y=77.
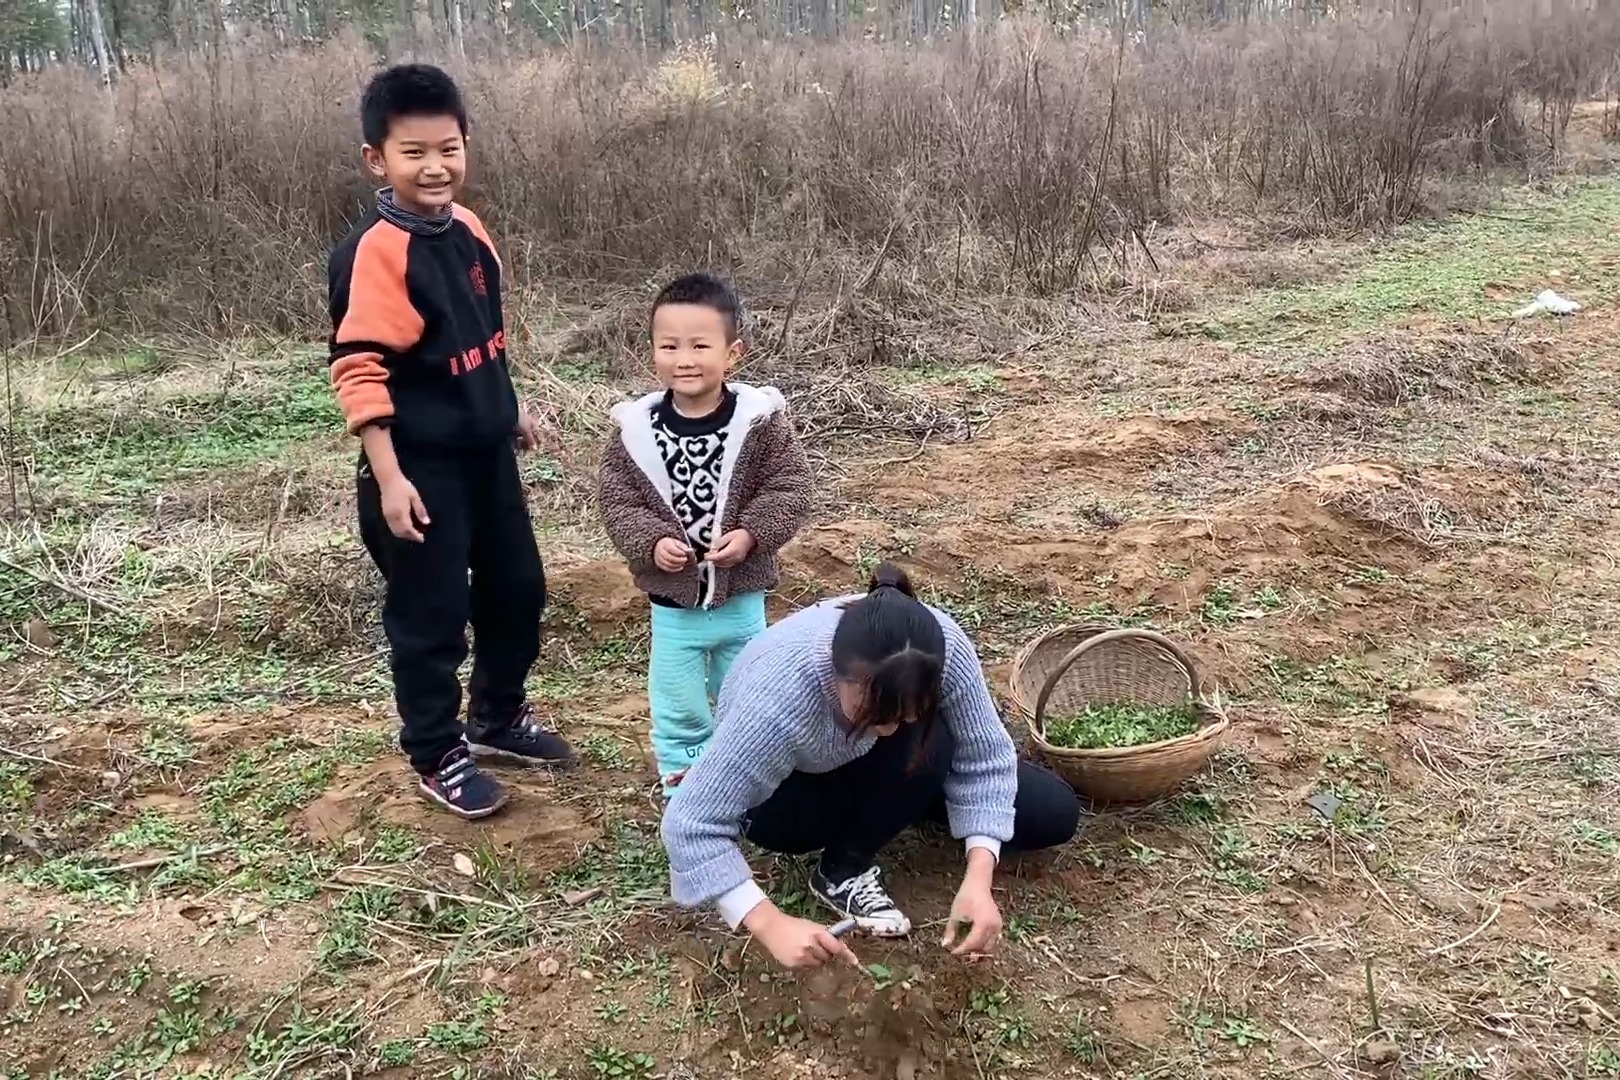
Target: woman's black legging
x=855, y=811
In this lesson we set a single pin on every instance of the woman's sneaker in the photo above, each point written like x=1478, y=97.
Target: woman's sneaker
x=521, y=740
x=863, y=899
x=459, y=787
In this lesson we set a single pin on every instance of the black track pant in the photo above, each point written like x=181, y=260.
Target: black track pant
x=855, y=811
x=479, y=523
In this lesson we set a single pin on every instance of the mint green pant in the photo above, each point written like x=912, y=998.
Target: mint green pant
x=692, y=650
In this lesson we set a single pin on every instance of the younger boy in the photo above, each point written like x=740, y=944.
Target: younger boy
x=702, y=485
x=418, y=361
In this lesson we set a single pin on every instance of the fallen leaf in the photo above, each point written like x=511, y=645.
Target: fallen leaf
x=576, y=897
x=1381, y=1052
x=464, y=864
x=39, y=634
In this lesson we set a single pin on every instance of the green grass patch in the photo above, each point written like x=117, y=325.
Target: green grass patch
x=115, y=449
x=1470, y=266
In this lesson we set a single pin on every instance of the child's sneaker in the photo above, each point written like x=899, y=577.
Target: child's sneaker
x=863, y=899
x=461, y=788
x=523, y=740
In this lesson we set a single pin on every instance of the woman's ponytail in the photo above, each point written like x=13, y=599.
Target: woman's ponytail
x=893, y=644
x=889, y=576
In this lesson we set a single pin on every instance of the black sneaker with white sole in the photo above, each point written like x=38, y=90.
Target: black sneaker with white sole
x=521, y=740
x=461, y=788
x=863, y=899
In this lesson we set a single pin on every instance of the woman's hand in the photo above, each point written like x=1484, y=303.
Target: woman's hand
x=975, y=908
x=796, y=943
x=671, y=556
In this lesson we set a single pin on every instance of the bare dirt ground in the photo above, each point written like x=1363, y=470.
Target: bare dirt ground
x=1383, y=516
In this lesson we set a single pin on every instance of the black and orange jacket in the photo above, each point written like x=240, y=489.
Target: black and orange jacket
x=418, y=342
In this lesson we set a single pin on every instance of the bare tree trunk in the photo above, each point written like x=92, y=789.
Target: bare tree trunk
x=421, y=21
x=98, y=41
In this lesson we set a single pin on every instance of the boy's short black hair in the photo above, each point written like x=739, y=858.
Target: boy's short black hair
x=408, y=90
x=704, y=290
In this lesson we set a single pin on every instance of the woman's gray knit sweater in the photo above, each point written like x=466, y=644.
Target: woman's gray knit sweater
x=778, y=714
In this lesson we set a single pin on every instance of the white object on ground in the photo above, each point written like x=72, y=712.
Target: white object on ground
x=1547, y=300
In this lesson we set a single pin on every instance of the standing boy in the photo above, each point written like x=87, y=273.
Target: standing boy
x=701, y=486
x=418, y=361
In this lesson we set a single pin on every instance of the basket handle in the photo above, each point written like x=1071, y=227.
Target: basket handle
x=1081, y=649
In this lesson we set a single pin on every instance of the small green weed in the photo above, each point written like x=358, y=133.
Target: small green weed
x=1244, y=940
x=1367, y=577
x=303, y=1039
x=395, y=845
x=16, y=791
x=152, y=830
x=1231, y=853
x=1591, y=770
x=1241, y=1032
x=395, y=1054
x=1602, y=1061
x=605, y=751
x=1197, y=807
x=1143, y=855
x=1019, y=928
x=994, y=1017
x=783, y=1029
x=1084, y=1044
x=1586, y=834
x=1220, y=604
x=458, y=1036
x=1269, y=599
x=616, y=1064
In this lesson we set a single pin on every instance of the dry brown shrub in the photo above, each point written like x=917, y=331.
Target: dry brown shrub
x=202, y=194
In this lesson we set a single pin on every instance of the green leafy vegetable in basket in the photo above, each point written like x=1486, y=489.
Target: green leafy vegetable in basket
x=1112, y=725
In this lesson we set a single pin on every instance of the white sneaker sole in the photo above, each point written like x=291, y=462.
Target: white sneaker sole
x=896, y=927
x=495, y=755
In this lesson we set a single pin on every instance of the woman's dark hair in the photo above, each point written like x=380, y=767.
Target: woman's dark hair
x=889, y=641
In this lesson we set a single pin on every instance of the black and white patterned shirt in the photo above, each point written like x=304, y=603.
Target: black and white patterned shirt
x=694, y=450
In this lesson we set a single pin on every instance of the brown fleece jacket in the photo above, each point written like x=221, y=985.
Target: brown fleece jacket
x=766, y=491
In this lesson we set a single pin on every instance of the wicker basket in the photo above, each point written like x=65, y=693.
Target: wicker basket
x=1075, y=666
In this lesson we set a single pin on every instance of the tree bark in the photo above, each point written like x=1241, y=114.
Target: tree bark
x=98, y=41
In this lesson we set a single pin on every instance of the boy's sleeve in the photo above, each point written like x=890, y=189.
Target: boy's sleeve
x=373, y=322
x=781, y=505
x=627, y=500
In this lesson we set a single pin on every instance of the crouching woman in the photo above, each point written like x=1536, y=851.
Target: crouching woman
x=837, y=729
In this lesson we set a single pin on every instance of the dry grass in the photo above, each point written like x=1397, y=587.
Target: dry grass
x=204, y=192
